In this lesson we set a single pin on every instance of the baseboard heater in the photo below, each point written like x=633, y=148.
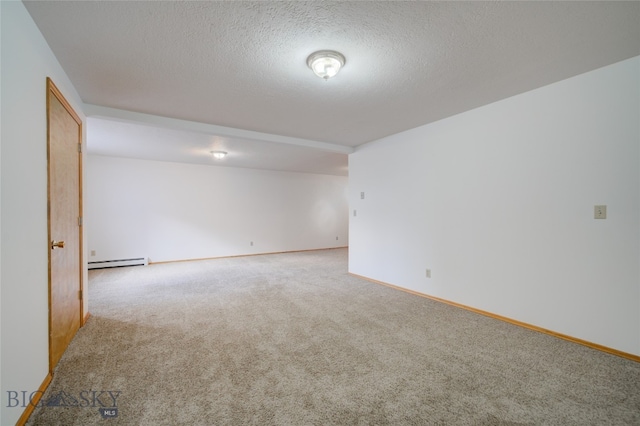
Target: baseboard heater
x=138, y=261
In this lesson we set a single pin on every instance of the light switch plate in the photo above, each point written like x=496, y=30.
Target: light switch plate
x=600, y=212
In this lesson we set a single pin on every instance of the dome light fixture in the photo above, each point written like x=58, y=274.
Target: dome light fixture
x=326, y=63
x=218, y=155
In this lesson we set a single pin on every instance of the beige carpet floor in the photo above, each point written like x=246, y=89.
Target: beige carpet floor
x=293, y=339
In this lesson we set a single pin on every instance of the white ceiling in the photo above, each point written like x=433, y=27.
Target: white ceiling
x=132, y=140
x=237, y=71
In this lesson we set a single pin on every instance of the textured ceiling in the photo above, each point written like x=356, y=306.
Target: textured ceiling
x=242, y=64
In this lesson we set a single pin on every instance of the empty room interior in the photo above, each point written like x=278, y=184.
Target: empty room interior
x=320, y=212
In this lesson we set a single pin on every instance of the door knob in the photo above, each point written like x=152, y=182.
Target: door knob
x=59, y=244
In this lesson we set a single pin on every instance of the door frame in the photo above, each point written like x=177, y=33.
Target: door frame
x=53, y=91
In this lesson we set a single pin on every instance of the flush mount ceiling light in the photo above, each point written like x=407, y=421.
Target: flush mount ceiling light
x=326, y=63
x=218, y=155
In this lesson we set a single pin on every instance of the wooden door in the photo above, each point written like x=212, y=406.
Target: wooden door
x=64, y=138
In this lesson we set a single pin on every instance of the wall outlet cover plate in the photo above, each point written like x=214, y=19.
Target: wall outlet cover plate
x=600, y=212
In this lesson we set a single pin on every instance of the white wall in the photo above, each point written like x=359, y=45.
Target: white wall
x=174, y=211
x=26, y=62
x=499, y=201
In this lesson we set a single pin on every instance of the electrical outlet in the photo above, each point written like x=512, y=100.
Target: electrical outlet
x=362, y=195
x=336, y=238
x=355, y=213
x=428, y=273
x=600, y=212
x=93, y=252
x=251, y=243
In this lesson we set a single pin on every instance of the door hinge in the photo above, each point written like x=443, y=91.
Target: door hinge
x=80, y=147
x=79, y=220
x=80, y=294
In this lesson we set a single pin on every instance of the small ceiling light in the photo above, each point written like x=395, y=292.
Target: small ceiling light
x=218, y=155
x=326, y=63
